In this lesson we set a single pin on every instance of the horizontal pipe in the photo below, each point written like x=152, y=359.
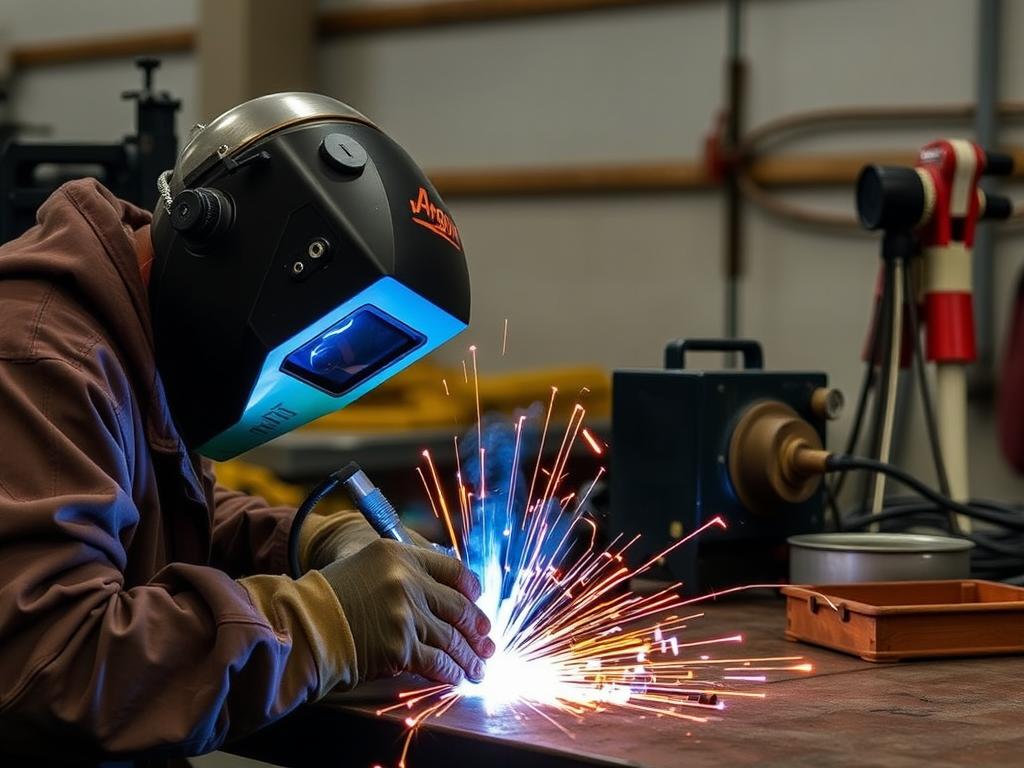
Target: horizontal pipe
x=793, y=170
x=349, y=21
x=789, y=170
x=571, y=180
x=816, y=120
x=84, y=49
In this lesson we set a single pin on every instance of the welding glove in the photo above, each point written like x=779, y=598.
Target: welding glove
x=411, y=609
x=329, y=536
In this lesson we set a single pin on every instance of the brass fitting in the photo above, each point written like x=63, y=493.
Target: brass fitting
x=827, y=403
x=775, y=457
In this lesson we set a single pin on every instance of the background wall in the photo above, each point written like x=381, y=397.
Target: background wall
x=610, y=279
x=82, y=102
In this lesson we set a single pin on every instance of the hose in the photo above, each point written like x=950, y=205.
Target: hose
x=998, y=514
x=327, y=486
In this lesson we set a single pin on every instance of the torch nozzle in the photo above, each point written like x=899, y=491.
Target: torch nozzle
x=375, y=507
x=378, y=511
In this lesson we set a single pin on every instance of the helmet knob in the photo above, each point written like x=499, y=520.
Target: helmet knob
x=201, y=215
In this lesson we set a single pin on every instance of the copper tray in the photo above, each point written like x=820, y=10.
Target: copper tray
x=895, y=620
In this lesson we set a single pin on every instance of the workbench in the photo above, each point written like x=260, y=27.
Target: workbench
x=955, y=712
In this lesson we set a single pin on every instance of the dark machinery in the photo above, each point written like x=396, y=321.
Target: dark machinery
x=31, y=171
x=681, y=436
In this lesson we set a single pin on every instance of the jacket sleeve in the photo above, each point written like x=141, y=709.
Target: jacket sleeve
x=249, y=535
x=179, y=663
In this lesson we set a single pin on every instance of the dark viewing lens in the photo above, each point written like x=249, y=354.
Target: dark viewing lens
x=351, y=351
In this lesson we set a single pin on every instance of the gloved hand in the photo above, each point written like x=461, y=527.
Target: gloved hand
x=338, y=535
x=411, y=609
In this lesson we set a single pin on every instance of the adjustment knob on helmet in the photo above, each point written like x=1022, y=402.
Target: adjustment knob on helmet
x=201, y=215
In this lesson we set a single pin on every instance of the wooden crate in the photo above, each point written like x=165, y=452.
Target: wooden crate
x=892, y=621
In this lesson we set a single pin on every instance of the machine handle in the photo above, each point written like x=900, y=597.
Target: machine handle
x=997, y=207
x=675, y=351
x=998, y=164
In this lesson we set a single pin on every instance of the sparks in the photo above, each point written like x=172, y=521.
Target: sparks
x=571, y=639
x=592, y=442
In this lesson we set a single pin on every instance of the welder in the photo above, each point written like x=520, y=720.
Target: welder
x=296, y=259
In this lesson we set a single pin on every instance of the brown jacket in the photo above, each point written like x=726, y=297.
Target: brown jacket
x=133, y=613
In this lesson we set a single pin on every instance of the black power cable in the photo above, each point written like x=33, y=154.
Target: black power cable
x=877, y=353
x=329, y=484
x=867, y=385
x=326, y=487
x=930, y=513
x=992, y=512
x=998, y=554
x=884, y=329
x=926, y=397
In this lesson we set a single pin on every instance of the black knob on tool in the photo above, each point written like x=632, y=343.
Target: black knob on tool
x=997, y=207
x=890, y=197
x=147, y=64
x=202, y=214
x=998, y=164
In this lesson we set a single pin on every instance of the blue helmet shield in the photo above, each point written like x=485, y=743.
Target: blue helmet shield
x=335, y=361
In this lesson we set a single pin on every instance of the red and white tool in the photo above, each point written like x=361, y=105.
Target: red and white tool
x=939, y=200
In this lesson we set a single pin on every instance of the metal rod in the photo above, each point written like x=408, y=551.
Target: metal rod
x=951, y=400
x=986, y=128
x=735, y=28
x=733, y=193
x=375, y=507
x=895, y=350
x=378, y=511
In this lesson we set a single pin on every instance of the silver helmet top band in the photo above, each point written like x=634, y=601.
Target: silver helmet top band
x=240, y=126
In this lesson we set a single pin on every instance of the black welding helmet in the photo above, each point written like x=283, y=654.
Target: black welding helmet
x=302, y=258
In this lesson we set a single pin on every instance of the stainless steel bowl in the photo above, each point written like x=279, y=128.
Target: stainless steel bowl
x=842, y=558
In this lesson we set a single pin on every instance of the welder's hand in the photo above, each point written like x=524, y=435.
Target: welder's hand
x=411, y=609
x=339, y=535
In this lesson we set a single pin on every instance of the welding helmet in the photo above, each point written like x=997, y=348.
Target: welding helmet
x=302, y=258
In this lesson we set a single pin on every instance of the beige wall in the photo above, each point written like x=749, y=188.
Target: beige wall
x=609, y=280
x=83, y=102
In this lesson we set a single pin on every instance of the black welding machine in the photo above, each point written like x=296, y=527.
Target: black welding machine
x=689, y=445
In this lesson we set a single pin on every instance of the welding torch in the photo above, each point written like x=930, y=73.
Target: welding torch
x=374, y=506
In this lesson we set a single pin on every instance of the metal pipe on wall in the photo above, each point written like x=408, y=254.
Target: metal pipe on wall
x=735, y=74
x=986, y=129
